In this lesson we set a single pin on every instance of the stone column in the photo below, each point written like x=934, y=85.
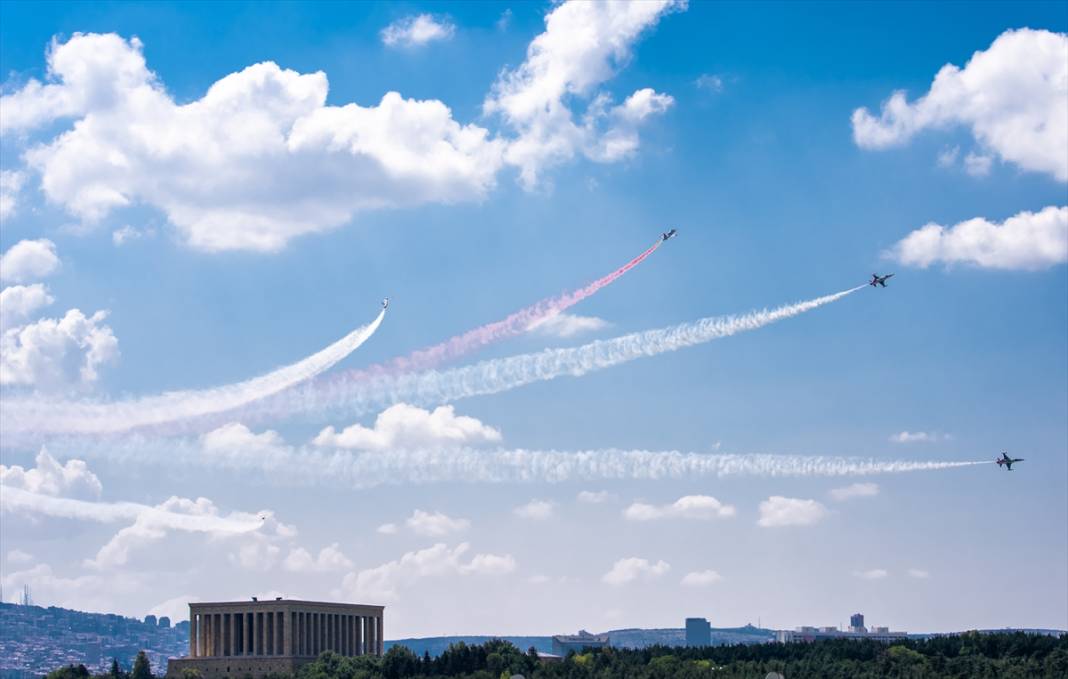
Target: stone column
x=363, y=635
x=287, y=633
x=217, y=625
x=279, y=633
x=247, y=633
x=381, y=634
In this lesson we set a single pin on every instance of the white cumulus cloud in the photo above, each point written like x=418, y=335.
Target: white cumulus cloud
x=385, y=581
x=49, y=477
x=855, y=490
x=330, y=558
x=583, y=46
x=29, y=260
x=403, y=426
x=11, y=182
x=256, y=161
x=630, y=569
x=537, y=510
x=687, y=507
x=1013, y=96
x=787, y=511
x=19, y=302
x=435, y=524
x=57, y=353
x=1028, y=241
x=414, y=31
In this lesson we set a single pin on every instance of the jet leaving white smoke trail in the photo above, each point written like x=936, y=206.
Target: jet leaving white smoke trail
x=361, y=396
x=36, y=416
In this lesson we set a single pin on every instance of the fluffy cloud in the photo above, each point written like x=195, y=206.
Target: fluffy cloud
x=403, y=426
x=568, y=325
x=1029, y=241
x=258, y=160
x=583, y=45
x=918, y=573
x=688, y=507
x=127, y=233
x=435, y=524
x=18, y=556
x=855, y=490
x=701, y=578
x=49, y=477
x=787, y=511
x=53, y=354
x=414, y=31
x=1013, y=97
x=235, y=445
x=19, y=302
x=28, y=260
x=330, y=559
x=873, y=574
x=383, y=582
x=590, y=497
x=537, y=510
x=630, y=569
x=11, y=182
x=387, y=529
x=87, y=592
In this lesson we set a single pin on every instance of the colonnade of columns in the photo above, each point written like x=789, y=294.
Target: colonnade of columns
x=282, y=633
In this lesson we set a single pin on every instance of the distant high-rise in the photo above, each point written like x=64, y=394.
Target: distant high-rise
x=151, y=620
x=698, y=632
x=164, y=621
x=856, y=623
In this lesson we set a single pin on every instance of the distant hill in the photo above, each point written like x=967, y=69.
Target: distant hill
x=35, y=640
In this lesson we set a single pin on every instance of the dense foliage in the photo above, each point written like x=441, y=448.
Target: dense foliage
x=967, y=656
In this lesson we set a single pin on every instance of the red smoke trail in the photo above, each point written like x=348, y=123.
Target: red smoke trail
x=515, y=324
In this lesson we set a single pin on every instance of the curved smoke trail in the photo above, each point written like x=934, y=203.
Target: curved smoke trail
x=361, y=396
x=515, y=324
x=37, y=416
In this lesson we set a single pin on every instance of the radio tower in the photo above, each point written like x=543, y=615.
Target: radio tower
x=27, y=600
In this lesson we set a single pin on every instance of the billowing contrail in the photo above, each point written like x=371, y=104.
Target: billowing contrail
x=272, y=461
x=362, y=396
x=515, y=324
x=38, y=416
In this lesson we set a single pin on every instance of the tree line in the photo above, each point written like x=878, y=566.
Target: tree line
x=972, y=655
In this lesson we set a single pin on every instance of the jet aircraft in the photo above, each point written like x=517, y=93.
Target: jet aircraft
x=669, y=235
x=1007, y=461
x=876, y=279
x=385, y=303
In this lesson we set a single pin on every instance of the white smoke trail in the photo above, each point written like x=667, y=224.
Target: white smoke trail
x=33, y=416
x=267, y=459
x=356, y=397
x=14, y=499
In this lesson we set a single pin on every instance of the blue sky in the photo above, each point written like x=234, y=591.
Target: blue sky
x=752, y=151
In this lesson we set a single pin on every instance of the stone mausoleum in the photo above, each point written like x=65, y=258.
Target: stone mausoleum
x=239, y=638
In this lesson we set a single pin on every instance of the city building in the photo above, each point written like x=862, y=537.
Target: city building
x=257, y=638
x=856, y=623
x=698, y=632
x=857, y=630
x=564, y=643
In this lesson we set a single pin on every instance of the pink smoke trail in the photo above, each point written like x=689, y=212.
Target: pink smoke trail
x=515, y=324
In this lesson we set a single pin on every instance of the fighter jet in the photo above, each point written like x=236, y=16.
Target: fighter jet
x=1007, y=461
x=385, y=303
x=669, y=235
x=876, y=279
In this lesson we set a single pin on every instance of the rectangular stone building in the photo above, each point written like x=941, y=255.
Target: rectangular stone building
x=238, y=638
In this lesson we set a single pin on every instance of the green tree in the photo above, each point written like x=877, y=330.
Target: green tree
x=116, y=671
x=142, y=669
x=399, y=662
x=69, y=672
